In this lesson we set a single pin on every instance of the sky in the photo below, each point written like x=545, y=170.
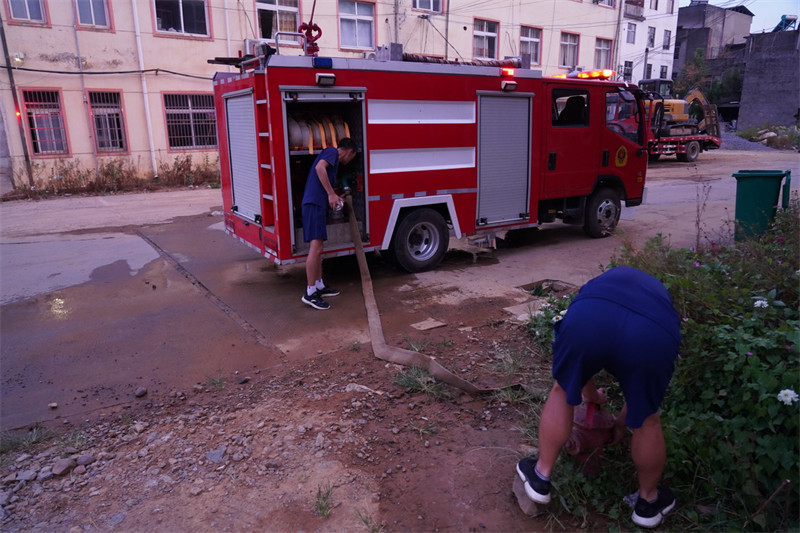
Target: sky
x=767, y=12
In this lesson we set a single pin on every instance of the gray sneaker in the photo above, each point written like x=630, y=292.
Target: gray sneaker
x=650, y=514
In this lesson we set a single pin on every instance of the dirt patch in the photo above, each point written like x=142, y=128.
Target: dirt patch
x=262, y=451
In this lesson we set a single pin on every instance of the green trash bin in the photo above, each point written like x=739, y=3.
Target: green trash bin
x=757, y=194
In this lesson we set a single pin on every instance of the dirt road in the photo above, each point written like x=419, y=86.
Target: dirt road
x=256, y=406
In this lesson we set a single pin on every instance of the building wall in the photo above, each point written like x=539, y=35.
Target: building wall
x=139, y=58
x=661, y=15
x=771, y=90
x=711, y=28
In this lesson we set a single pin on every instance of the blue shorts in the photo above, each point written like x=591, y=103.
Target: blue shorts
x=314, y=220
x=598, y=334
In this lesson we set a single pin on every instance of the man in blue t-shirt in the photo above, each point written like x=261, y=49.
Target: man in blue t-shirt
x=317, y=198
x=622, y=321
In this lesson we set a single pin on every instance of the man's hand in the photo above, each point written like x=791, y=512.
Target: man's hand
x=334, y=200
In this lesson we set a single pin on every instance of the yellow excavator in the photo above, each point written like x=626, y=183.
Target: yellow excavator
x=681, y=126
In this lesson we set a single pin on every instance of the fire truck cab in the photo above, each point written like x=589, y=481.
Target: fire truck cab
x=445, y=150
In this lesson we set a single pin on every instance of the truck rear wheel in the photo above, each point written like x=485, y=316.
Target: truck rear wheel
x=420, y=240
x=691, y=154
x=602, y=213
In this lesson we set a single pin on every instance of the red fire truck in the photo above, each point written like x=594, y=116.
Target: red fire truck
x=445, y=149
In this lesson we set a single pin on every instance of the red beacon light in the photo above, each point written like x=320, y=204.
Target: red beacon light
x=507, y=71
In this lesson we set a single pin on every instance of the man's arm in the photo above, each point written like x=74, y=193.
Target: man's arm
x=322, y=174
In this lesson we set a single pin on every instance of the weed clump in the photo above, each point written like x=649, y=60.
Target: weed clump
x=732, y=410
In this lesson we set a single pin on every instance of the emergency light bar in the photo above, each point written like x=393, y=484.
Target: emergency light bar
x=588, y=75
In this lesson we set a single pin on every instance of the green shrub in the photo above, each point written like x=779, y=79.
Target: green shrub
x=731, y=415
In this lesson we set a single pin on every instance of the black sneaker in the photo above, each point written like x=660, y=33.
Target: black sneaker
x=648, y=514
x=315, y=301
x=327, y=291
x=536, y=488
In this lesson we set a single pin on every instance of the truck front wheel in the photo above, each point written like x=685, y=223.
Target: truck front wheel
x=691, y=154
x=602, y=213
x=420, y=240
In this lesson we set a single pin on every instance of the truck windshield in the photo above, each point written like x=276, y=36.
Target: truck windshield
x=622, y=116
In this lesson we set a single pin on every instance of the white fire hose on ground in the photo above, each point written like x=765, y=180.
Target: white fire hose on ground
x=379, y=347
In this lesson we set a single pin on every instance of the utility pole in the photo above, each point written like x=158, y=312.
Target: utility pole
x=17, y=109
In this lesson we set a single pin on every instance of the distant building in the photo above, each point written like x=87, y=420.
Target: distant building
x=647, y=39
x=711, y=29
x=96, y=81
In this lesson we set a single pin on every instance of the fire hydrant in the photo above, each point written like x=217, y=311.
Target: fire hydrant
x=592, y=429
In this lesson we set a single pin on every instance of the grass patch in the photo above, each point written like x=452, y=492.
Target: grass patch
x=217, y=383
x=417, y=379
x=416, y=346
x=731, y=413
x=369, y=522
x=323, y=504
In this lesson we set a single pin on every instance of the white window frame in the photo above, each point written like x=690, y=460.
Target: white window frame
x=651, y=36
x=482, y=33
x=192, y=118
x=107, y=121
x=654, y=5
x=670, y=6
x=667, y=40
x=181, y=15
x=568, y=48
x=609, y=3
x=630, y=34
x=627, y=71
x=355, y=17
x=602, y=53
x=434, y=6
x=44, y=115
x=15, y=15
x=277, y=8
x=532, y=37
x=92, y=8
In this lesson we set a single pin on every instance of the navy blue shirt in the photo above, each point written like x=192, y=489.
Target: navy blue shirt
x=314, y=192
x=638, y=291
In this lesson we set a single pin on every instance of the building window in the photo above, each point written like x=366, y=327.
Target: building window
x=27, y=10
x=630, y=37
x=568, y=52
x=602, y=53
x=667, y=39
x=109, y=133
x=651, y=36
x=45, y=122
x=530, y=42
x=92, y=13
x=670, y=6
x=609, y=3
x=428, y=5
x=356, y=24
x=627, y=71
x=277, y=15
x=648, y=71
x=191, y=120
x=484, y=39
x=654, y=4
x=663, y=74
x=181, y=16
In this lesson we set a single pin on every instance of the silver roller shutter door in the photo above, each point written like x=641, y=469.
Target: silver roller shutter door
x=503, y=159
x=243, y=154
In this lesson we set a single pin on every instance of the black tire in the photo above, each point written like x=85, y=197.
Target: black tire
x=653, y=157
x=691, y=154
x=602, y=213
x=420, y=240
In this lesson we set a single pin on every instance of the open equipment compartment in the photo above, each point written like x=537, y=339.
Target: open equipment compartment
x=313, y=120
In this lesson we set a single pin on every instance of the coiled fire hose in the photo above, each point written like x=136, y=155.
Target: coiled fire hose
x=379, y=347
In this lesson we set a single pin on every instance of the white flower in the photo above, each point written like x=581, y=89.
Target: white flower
x=562, y=313
x=761, y=303
x=787, y=396
x=557, y=318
